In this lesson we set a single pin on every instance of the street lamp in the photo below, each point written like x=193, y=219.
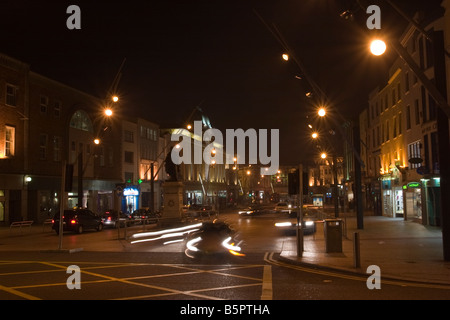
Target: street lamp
x=108, y=112
x=285, y=56
x=322, y=112
x=377, y=47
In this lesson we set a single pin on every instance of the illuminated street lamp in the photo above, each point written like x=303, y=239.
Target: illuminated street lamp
x=323, y=155
x=377, y=47
x=108, y=112
x=285, y=56
x=97, y=141
x=115, y=98
x=315, y=135
x=322, y=112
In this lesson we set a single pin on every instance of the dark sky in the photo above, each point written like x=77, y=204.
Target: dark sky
x=219, y=54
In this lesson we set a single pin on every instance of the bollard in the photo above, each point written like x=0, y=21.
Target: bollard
x=356, y=251
x=299, y=241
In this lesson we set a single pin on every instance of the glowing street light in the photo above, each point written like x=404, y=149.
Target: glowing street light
x=97, y=141
x=377, y=47
x=323, y=155
x=322, y=112
x=115, y=98
x=108, y=112
x=315, y=135
x=285, y=56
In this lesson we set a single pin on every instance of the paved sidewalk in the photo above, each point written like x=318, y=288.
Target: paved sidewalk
x=403, y=250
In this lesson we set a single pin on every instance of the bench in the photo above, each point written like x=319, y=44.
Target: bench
x=20, y=224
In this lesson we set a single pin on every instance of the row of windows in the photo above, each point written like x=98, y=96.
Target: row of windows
x=425, y=113
x=146, y=133
x=149, y=133
x=44, y=106
x=384, y=135
x=56, y=144
x=12, y=97
x=380, y=106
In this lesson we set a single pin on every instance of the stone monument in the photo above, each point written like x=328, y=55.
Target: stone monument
x=173, y=193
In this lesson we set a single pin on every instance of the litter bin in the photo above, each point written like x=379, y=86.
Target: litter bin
x=333, y=235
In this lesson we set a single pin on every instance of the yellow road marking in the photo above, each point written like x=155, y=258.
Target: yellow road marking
x=18, y=293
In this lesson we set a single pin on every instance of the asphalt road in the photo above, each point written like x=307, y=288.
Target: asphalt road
x=163, y=273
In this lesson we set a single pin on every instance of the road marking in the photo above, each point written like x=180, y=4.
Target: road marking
x=18, y=293
x=202, y=293
x=173, y=291
x=267, y=283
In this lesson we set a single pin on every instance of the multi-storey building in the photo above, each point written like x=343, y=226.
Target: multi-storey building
x=45, y=124
x=401, y=134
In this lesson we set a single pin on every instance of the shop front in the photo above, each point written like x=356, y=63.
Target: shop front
x=431, y=198
x=412, y=194
x=130, y=199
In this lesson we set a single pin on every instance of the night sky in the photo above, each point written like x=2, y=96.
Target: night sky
x=216, y=54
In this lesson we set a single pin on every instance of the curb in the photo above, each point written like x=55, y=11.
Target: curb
x=360, y=273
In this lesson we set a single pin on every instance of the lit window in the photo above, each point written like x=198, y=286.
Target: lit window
x=10, y=137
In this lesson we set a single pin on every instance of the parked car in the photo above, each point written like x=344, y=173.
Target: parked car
x=78, y=220
x=111, y=219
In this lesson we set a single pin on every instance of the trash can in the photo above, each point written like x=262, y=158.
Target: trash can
x=333, y=235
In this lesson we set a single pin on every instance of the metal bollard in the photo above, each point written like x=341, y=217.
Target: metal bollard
x=356, y=251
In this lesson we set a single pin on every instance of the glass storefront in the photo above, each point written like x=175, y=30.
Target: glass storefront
x=130, y=200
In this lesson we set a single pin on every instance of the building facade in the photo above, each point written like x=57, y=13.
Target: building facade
x=400, y=131
x=45, y=125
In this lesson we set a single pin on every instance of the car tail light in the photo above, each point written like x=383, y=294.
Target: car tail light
x=53, y=220
x=73, y=221
x=109, y=218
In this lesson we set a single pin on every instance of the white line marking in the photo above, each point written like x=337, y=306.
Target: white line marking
x=267, y=283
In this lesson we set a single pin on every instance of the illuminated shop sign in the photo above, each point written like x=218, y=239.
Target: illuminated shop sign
x=130, y=192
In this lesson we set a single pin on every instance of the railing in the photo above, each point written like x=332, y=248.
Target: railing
x=20, y=224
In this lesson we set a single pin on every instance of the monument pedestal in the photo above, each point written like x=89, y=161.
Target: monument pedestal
x=173, y=202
